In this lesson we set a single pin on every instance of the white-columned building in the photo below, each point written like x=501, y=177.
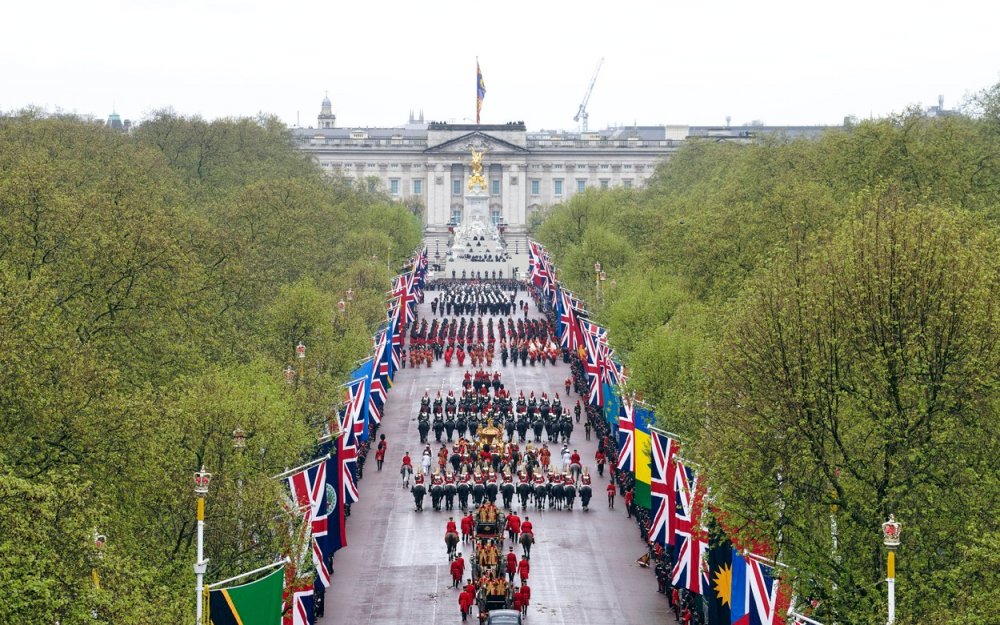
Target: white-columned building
x=427, y=164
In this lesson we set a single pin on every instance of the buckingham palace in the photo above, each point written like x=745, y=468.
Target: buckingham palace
x=426, y=164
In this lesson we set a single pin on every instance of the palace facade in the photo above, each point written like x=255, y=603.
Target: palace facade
x=427, y=164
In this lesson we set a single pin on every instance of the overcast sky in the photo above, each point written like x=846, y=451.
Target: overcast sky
x=666, y=62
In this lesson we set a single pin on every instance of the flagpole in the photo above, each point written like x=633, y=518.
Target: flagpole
x=307, y=465
x=249, y=573
x=201, y=480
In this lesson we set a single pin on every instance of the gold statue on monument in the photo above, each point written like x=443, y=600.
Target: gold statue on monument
x=476, y=179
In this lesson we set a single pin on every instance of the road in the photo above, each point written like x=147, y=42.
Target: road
x=395, y=570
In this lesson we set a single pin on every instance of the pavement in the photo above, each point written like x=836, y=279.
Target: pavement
x=394, y=569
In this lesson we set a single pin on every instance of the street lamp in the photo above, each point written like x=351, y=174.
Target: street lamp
x=300, y=353
x=99, y=541
x=599, y=276
x=201, y=480
x=239, y=438
x=289, y=374
x=890, y=537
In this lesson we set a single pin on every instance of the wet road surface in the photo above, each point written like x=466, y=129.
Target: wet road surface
x=395, y=568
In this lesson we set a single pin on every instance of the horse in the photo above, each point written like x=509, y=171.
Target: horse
x=406, y=471
x=449, y=426
x=438, y=428
x=557, y=496
x=522, y=429
x=419, y=492
x=537, y=426
x=423, y=427
x=527, y=539
x=478, y=491
x=437, y=490
x=463, y=495
x=523, y=490
x=461, y=426
x=569, y=494
x=585, y=493
x=541, y=492
x=491, y=491
x=575, y=470
x=567, y=430
x=451, y=541
x=449, y=496
x=507, y=490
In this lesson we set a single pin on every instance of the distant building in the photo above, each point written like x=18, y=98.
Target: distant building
x=115, y=123
x=427, y=163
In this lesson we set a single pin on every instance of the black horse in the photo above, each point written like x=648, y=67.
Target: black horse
x=419, y=492
x=523, y=490
x=507, y=491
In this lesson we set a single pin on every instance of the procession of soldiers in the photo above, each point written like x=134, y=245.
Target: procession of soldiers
x=494, y=448
x=497, y=580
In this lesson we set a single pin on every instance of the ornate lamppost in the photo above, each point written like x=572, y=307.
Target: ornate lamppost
x=201, y=480
x=300, y=353
x=890, y=537
x=99, y=541
x=239, y=438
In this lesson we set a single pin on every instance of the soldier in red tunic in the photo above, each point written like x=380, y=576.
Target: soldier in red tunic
x=457, y=570
x=511, y=564
x=465, y=602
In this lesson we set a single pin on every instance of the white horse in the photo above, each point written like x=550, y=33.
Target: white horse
x=406, y=471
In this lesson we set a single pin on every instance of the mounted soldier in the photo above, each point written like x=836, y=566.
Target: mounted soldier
x=419, y=491
x=507, y=490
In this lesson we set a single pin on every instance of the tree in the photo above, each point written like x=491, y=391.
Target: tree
x=862, y=376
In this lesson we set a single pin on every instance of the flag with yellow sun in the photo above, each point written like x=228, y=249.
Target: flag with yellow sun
x=720, y=576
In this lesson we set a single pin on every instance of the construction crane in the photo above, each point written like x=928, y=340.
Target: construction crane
x=581, y=114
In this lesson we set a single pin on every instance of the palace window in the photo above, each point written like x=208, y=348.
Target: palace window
x=418, y=186
x=627, y=183
x=496, y=186
x=605, y=183
x=557, y=186
x=456, y=186
x=536, y=186
x=456, y=216
x=581, y=185
x=394, y=186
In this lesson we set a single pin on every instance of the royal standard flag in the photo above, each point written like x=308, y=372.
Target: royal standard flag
x=480, y=90
x=643, y=418
x=256, y=603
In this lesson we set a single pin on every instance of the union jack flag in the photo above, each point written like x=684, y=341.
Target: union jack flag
x=757, y=598
x=303, y=606
x=594, y=364
x=537, y=266
x=614, y=372
x=402, y=290
x=571, y=335
x=663, y=450
x=626, y=436
x=308, y=489
x=690, y=568
x=352, y=427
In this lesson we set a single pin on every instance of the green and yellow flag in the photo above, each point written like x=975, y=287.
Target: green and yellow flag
x=256, y=603
x=644, y=418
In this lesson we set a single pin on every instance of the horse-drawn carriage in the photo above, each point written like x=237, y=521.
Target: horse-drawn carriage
x=495, y=595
